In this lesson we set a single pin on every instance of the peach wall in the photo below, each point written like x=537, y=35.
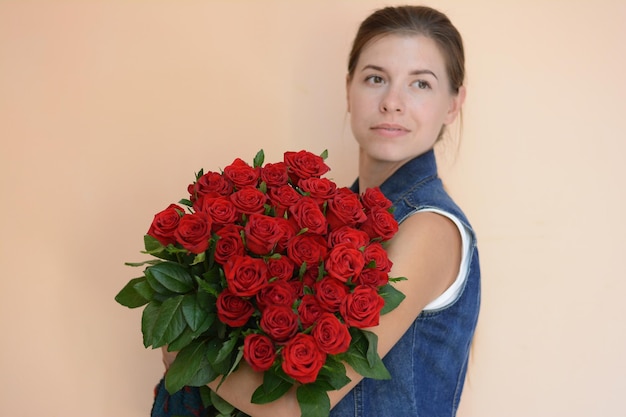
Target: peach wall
x=108, y=108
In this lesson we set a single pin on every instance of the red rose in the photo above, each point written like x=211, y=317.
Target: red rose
x=274, y=175
x=331, y=335
x=298, y=286
x=281, y=268
x=374, y=252
x=233, y=310
x=262, y=233
x=229, y=243
x=288, y=232
x=249, y=200
x=241, y=174
x=245, y=275
x=303, y=165
x=374, y=198
x=361, y=308
x=380, y=224
x=372, y=277
x=279, y=322
x=259, y=352
x=277, y=293
x=344, y=262
x=330, y=293
x=345, y=234
x=165, y=224
x=345, y=208
x=221, y=209
x=307, y=215
x=319, y=189
x=209, y=183
x=282, y=198
x=194, y=232
x=309, y=310
x=302, y=359
x=307, y=248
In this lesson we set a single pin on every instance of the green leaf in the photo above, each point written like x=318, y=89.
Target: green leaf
x=188, y=335
x=193, y=313
x=302, y=270
x=148, y=318
x=199, y=258
x=154, y=284
x=206, y=324
x=186, y=202
x=182, y=341
x=130, y=297
x=144, y=289
x=313, y=401
x=151, y=244
x=203, y=376
x=148, y=262
x=206, y=301
x=334, y=372
x=363, y=356
x=324, y=154
x=169, y=323
x=236, y=362
x=372, y=347
x=172, y=276
x=259, y=159
x=273, y=387
x=155, y=248
x=227, y=347
x=207, y=287
x=187, y=363
x=205, y=395
x=392, y=297
x=221, y=405
x=219, y=353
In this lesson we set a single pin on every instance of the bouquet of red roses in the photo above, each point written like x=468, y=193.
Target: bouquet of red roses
x=272, y=264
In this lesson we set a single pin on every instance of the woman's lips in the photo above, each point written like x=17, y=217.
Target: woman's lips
x=390, y=130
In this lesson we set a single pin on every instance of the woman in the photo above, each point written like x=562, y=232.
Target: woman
x=404, y=86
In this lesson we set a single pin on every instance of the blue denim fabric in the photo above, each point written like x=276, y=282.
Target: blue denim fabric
x=429, y=363
x=185, y=403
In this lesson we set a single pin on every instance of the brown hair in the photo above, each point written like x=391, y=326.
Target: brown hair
x=414, y=20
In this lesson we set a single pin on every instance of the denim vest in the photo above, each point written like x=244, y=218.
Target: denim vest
x=429, y=363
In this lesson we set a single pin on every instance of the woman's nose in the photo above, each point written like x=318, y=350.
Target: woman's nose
x=392, y=101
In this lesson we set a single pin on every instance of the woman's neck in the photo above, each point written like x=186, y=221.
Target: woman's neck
x=373, y=172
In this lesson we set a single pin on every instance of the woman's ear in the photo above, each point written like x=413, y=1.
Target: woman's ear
x=456, y=103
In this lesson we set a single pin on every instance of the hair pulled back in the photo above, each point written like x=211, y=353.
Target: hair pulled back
x=412, y=21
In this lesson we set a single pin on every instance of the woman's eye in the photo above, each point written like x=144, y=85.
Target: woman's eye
x=374, y=79
x=421, y=84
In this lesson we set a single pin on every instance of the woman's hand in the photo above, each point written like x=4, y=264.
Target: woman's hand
x=168, y=357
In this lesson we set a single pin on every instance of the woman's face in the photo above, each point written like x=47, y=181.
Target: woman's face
x=399, y=98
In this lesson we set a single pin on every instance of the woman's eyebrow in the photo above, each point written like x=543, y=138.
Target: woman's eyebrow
x=423, y=71
x=373, y=67
x=415, y=72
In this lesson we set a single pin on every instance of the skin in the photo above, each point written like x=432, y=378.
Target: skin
x=398, y=98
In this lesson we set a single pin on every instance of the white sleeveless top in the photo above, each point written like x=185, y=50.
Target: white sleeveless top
x=449, y=295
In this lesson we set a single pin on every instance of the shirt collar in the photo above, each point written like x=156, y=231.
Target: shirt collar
x=412, y=172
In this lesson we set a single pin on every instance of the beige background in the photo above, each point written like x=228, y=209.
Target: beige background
x=108, y=108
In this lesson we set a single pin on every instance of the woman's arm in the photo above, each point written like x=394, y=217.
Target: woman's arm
x=427, y=251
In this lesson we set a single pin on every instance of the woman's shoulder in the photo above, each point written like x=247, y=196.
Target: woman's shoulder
x=427, y=250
